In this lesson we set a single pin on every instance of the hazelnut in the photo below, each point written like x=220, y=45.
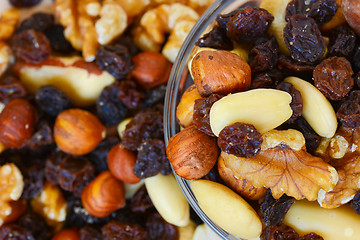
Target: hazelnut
x=185, y=109
x=351, y=9
x=220, y=72
x=121, y=163
x=77, y=131
x=67, y=234
x=103, y=195
x=18, y=208
x=17, y=122
x=192, y=153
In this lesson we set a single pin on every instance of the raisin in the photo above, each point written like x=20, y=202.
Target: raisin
x=115, y=59
x=52, y=100
x=216, y=38
x=223, y=19
x=357, y=79
x=128, y=42
x=159, y=229
x=141, y=201
x=126, y=215
x=109, y=107
x=355, y=203
x=296, y=100
x=281, y=232
x=34, y=177
x=333, y=77
x=116, y=230
x=303, y=39
x=349, y=110
x=30, y=46
x=273, y=210
x=40, y=22
x=98, y=157
x=41, y=137
x=130, y=94
x=154, y=96
x=24, y=3
x=311, y=236
x=356, y=59
x=58, y=42
x=15, y=232
x=151, y=159
x=264, y=55
x=90, y=233
x=213, y=175
x=36, y=224
x=52, y=166
x=11, y=91
x=248, y=24
x=240, y=139
x=201, y=116
x=145, y=125
x=342, y=42
x=266, y=79
x=322, y=11
x=291, y=65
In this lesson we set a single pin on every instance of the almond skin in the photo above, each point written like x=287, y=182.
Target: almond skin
x=220, y=72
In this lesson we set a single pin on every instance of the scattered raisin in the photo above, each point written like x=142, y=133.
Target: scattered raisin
x=356, y=59
x=58, y=42
x=126, y=215
x=128, y=42
x=333, y=77
x=273, y=210
x=322, y=11
x=34, y=177
x=141, y=201
x=213, y=175
x=30, y=46
x=115, y=230
x=216, y=38
x=264, y=54
x=24, y=3
x=15, y=232
x=240, y=139
x=342, y=42
x=287, y=63
x=154, y=96
x=223, y=19
x=201, y=116
x=281, y=232
x=42, y=136
x=159, y=229
x=130, y=94
x=311, y=236
x=355, y=203
x=40, y=22
x=303, y=39
x=267, y=79
x=36, y=224
x=296, y=100
x=52, y=166
x=115, y=59
x=52, y=100
x=357, y=79
x=98, y=157
x=90, y=233
x=349, y=111
x=248, y=24
x=11, y=91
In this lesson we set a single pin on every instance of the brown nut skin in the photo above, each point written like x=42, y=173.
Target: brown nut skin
x=17, y=122
x=18, y=208
x=77, y=131
x=185, y=108
x=67, y=234
x=220, y=72
x=104, y=195
x=151, y=69
x=351, y=9
x=192, y=153
x=121, y=164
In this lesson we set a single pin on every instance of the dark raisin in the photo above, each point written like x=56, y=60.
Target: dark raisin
x=240, y=139
x=159, y=229
x=98, y=157
x=281, y=232
x=266, y=79
x=223, y=19
x=248, y=24
x=216, y=38
x=287, y=63
x=303, y=39
x=154, y=96
x=264, y=55
x=151, y=159
x=116, y=230
x=58, y=42
x=24, y=3
x=130, y=94
x=349, y=111
x=333, y=77
x=128, y=42
x=356, y=59
x=342, y=42
x=52, y=100
x=126, y=215
x=34, y=177
x=311, y=236
x=145, y=125
x=40, y=22
x=36, y=224
x=52, y=166
x=355, y=203
x=42, y=136
x=357, y=79
x=201, y=115
x=15, y=232
x=213, y=175
x=116, y=60
x=30, y=46
x=141, y=202
x=322, y=11
x=90, y=233
x=11, y=91
x=273, y=210
x=109, y=107
x=296, y=100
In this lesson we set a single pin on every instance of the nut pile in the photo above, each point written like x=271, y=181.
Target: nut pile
x=82, y=154
x=274, y=113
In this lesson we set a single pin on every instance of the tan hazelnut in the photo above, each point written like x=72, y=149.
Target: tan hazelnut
x=185, y=108
x=351, y=9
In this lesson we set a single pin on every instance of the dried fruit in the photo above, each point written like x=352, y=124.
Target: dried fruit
x=12, y=88
x=98, y=157
x=349, y=111
x=14, y=231
x=296, y=100
x=351, y=13
x=158, y=228
x=342, y=42
x=141, y=201
x=264, y=55
x=115, y=230
x=355, y=203
x=58, y=43
x=216, y=39
x=24, y=3
x=40, y=22
x=130, y=95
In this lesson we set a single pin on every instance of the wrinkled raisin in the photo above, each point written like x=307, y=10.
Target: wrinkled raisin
x=15, y=232
x=115, y=230
x=281, y=232
x=357, y=79
x=273, y=210
x=126, y=215
x=240, y=139
x=11, y=91
x=36, y=224
x=355, y=203
x=52, y=100
x=342, y=42
x=159, y=229
x=248, y=24
x=52, y=166
x=223, y=19
x=40, y=22
x=42, y=136
x=349, y=111
x=266, y=79
x=333, y=77
x=109, y=107
x=116, y=60
x=154, y=96
x=141, y=201
x=303, y=39
x=34, y=177
x=356, y=59
x=145, y=125
x=24, y=3
x=58, y=42
x=30, y=46
x=264, y=55
x=296, y=100
x=130, y=94
x=311, y=236
x=290, y=64
x=128, y=42
x=322, y=11
x=216, y=38
x=213, y=175
x=151, y=159
x=98, y=157
x=90, y=233
x=201, y=116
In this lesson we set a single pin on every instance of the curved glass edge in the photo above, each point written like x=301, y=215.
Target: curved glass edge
x=172, y=95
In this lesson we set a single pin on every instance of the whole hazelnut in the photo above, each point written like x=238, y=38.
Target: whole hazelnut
x=351, y=9
x=67, y=234
x=78, y=132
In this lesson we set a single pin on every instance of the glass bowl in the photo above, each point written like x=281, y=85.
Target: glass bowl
x=180, y=80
